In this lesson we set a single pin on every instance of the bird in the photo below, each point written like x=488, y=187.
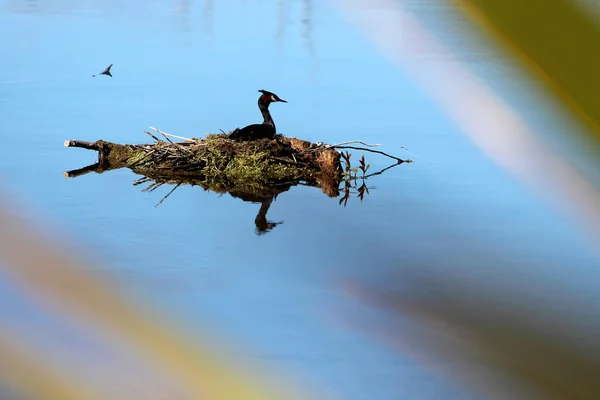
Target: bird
x=265, y=130
x=105, y=72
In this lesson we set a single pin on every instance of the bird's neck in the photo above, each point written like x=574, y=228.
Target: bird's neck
x=267, y=119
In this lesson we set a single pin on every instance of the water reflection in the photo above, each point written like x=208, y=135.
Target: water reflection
x=348, y=187
x=25, y=6
x=183, y=9
x=208, y=16
x=307, y=35
x=263, y=197
x=261, y=222
x=281, y=22
x=307, y=32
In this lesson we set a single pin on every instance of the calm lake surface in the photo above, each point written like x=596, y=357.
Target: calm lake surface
x=193, y=67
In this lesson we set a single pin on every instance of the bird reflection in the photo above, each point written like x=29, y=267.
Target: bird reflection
x=261, y=223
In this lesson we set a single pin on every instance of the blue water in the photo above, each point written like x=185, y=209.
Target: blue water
x=193, y=67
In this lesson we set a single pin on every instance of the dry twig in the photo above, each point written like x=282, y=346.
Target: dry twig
x=168, y=134
x=370, y=150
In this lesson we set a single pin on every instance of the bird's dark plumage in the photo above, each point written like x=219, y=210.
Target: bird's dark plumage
x=106, y=71
x=265, y=130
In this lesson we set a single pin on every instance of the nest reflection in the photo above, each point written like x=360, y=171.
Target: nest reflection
x=345, y=186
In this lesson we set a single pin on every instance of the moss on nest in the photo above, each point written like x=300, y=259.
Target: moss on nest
x=245, y=162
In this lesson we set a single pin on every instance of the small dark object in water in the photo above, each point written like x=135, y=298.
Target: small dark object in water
x=105, y=72
x=267, y=128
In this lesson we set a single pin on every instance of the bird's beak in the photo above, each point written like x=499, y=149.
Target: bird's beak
x=283, y=101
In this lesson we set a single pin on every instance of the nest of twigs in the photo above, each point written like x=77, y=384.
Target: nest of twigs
x=223, y=164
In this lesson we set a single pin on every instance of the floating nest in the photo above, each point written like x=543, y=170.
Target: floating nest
x=221, y=164
x=251, y=170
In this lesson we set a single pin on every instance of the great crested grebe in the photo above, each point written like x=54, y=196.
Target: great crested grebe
x=267, y=128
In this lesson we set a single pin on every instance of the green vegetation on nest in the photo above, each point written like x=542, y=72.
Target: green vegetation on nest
x=247, y=163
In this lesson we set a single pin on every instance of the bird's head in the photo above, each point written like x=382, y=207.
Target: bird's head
x=268, y=98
